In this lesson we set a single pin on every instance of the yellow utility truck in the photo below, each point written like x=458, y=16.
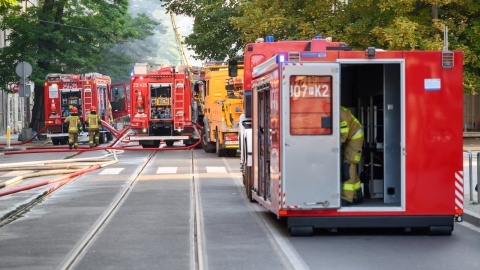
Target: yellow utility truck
x=223, y=105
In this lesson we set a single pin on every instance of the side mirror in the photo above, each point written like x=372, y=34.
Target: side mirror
x=232, y=68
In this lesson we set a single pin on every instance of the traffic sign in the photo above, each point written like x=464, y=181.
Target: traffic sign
x=24, y=80
x=24, y=90
x=23, y=69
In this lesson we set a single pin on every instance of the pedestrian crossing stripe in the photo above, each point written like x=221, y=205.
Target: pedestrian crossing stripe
x=165, y=170
x=162, y=170
x=111, y=171
x=216, y=170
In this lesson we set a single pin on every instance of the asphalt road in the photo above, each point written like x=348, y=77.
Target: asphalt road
x=187, y=210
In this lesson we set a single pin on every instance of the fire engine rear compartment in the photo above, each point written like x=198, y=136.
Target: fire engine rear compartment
x=374, y=92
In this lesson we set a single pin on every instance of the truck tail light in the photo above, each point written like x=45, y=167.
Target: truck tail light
x=231, y=138
x=447, y=59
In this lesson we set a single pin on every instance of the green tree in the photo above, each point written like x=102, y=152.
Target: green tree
x=66, y=36
x=213, y=37
x=387, y=24
x=7, y=3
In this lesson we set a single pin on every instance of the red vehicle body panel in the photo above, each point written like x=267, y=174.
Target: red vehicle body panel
x=432, y=122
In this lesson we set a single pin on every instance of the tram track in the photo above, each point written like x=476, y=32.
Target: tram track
x=25, y=207
x=197, y=259
x=78, y=251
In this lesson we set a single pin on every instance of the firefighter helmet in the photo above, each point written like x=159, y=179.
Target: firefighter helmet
x=93, y=109
x=74, y=110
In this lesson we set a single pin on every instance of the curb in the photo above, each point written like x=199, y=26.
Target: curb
x=471, y=217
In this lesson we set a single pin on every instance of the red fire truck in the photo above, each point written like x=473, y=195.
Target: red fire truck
x=410, y=105
x=161, y=106
x=65, y=91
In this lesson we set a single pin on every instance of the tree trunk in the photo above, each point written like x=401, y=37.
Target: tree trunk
x=38, y=112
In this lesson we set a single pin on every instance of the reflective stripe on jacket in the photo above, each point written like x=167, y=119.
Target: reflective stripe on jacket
x=350, y=127
x=73, y=123
x=93, y=120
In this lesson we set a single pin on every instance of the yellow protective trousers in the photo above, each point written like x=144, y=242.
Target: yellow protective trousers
x=352, y=155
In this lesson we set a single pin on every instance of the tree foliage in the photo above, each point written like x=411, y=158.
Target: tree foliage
x=213, y=37
x=387, y=24
x=67, y=36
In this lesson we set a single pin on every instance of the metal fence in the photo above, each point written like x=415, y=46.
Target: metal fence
x=12, y=113
x=471, y=187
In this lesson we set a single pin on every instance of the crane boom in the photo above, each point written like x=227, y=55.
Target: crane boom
x=180, y=46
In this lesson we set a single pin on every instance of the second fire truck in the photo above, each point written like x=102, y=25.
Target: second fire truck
x=410, y=105
x=161, y=106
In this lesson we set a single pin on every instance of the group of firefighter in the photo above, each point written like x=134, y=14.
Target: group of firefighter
x=75, y=126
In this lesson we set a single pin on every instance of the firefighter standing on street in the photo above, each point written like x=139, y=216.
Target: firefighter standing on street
x=74, y=126
x=93, y=123
x=351, y=134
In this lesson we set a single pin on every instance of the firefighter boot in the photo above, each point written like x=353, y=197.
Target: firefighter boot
x=345, y=203
x=70, y=145
x=358, y=199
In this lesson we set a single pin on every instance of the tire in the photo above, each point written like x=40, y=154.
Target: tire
x=109, y=136
x=55, y=141
x=232, y=152
x=103, y=138
x=169, y=143
x=207, y=146
x=220, y=152
x=64, y=141
x=247, y=182
x=301, y=231
x=150, y=144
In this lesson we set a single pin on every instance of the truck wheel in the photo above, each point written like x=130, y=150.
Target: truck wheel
x=55, y=141
x=232, y=152
x=109, y=136
x=64, y=141
x=207, y=146
x=247, y=182
x=220, y=152
x=103, y=138
x=169, y=143
x=301, y=231
x=440, y=230
x=150, y=144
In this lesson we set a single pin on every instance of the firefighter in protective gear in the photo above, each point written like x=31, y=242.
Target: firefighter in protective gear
x=74, y=126
x=110, y=114
x=93, y=123
x=351, y=134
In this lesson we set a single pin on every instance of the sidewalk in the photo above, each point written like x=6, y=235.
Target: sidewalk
x=16, y=145
x=472, y=143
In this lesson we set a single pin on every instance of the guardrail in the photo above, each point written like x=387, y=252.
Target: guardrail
x=470, y=174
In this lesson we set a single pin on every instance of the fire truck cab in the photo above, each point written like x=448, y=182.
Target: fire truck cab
x=410, y=106
x=161, y=106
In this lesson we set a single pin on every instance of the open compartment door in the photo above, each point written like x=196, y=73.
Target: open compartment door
x=311, y=141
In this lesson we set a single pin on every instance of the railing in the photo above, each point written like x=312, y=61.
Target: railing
x=470, y=173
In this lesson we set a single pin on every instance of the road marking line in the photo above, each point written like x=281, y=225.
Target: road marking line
x=111, y=171
x=162, y=170
x=469, y=225
x=216, y=170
